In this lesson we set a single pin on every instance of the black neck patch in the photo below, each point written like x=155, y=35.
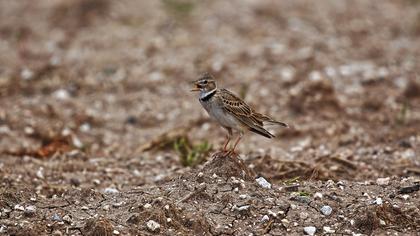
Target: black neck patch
x=208, y=96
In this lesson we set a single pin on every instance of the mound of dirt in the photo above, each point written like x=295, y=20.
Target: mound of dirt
x=221, y=198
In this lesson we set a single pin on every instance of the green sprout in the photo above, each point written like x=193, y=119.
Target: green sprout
x=179, y=8
x=191, y=155
x=403, y=114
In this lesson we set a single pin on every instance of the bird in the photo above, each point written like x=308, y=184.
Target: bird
x=230, y=111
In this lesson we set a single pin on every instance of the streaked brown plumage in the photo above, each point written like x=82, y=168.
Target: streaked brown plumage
x=230, y=111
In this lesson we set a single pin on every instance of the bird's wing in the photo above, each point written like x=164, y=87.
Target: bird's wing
x=243, y=112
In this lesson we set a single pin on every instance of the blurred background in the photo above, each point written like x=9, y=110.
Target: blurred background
x=96, y=92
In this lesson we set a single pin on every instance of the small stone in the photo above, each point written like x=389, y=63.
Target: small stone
x=67, y=219
x=169, y=220
x=326, y=210
x=378, y=201
x=405, y=196
x=318, y=195
x=111, y=191
x=263, y=183
x=106, y=208
x=382, y=181
x=153, y=225
x=265, y=218
x=408, y=154
x=30, y=210
x=85, y=127
x=56, y=217
x=241, y=208
x=243, y=196
x=61, y=94
x=19, y=207
x=303, y=215
x=29, y=130
x=328, y=230
x=309, y=230
x=147, y=206
x=116, y=232
x=27, y=74
x=382, y=222
x=40, y=173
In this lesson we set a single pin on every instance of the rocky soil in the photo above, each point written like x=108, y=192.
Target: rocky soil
x=99, y=134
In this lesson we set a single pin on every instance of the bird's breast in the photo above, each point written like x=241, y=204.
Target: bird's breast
x=220, y=115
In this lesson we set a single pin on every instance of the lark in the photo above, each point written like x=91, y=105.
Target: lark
x=231, y=112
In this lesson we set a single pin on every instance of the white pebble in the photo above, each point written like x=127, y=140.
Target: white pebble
x=263, y=183
x=318, y=195
x=61, y=94
x=326, y=210
x=378, y=201
x=328, y=230
x=19, y=207
x=382, y=181
x=309, y=230
x=30, y=209
x=265, y=218
x=147, y=206
x=153, y=225
x=111, y=191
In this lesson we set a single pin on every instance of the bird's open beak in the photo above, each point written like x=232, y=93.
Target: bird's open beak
x=196, y=88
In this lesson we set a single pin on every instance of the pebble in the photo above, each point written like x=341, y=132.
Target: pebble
x=67, y=219
x=265, y=218
x=303, y=215
x=382, y=181
x=263, y=183
x=153, y=225
x=378, y=201
x=241, y=208
x=243, y=196
x=116, y=232
x=318, y=195
x=147, y=206
x=62, y=94
x=19, y=207
x=56, y=217
x=328, y=230
x=111, y=191
x=30, y=210
x=309, y=230
x=326, y=210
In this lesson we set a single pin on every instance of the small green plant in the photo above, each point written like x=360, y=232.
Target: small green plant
x=403, y=114
x=303, y=194
x=178, y=8
x=244, y=90
x=292, y=180
x=191, y=155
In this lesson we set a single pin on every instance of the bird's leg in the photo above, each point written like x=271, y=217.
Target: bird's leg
x=236, y=143
x=229, y=135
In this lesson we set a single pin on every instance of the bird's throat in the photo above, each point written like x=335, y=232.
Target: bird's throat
x=205, y=96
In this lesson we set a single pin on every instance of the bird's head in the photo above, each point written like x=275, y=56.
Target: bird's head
x=205, y=83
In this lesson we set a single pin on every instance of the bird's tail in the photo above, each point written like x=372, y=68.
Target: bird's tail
x=269, y=120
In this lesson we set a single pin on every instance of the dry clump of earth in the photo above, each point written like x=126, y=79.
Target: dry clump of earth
x=99, y=134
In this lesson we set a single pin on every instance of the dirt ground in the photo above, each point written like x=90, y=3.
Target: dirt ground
x=99, y=134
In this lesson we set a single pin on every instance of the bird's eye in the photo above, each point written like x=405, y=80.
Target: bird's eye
x=205, y=82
